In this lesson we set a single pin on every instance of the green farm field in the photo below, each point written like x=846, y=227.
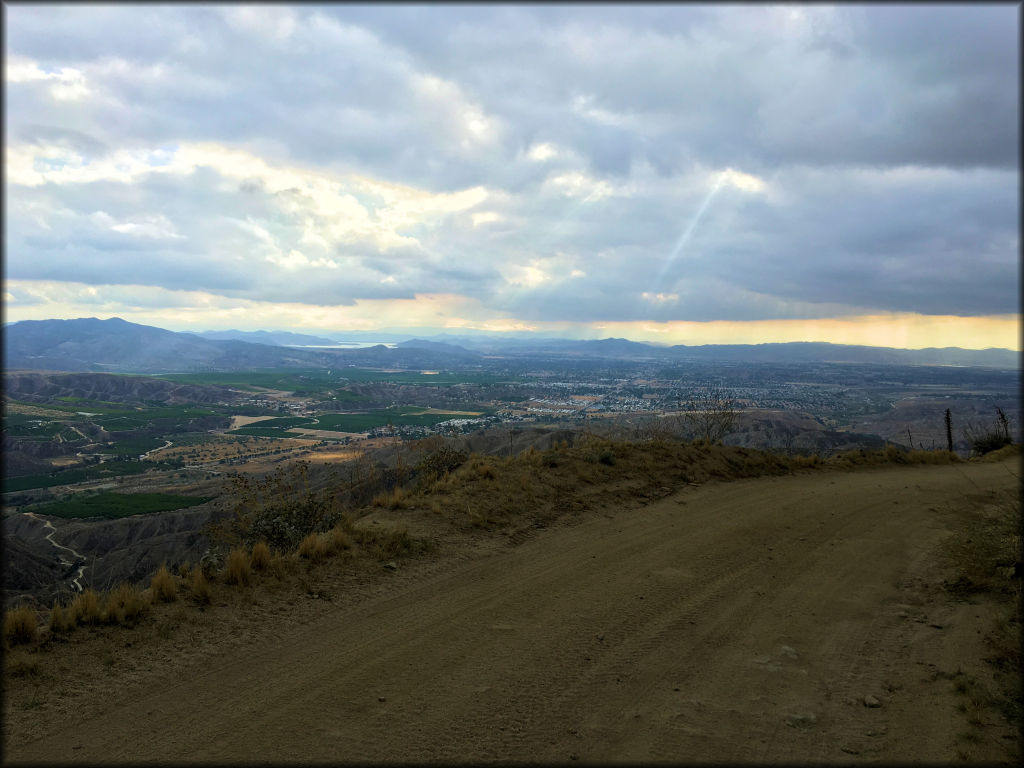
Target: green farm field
x=106, y=470
x=112, y=505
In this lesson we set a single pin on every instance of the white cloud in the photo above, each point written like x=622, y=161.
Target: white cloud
x=742, y=181
x=156, y=227
x=486, y=217
x=541, y=152
x=66, y=83
x=577, y=184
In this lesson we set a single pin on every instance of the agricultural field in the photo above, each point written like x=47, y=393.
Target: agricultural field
x=317, y=381
x=113, y=505
x=352, y=423
x=105, y=471
x=233, y=449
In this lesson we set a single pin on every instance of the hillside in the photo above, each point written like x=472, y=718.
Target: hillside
x=815, y=616
x=114, y=345
x=103, y=387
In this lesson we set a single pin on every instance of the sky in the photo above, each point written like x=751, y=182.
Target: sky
x=681, y=174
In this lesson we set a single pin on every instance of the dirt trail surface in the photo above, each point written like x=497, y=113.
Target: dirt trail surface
x=788, y=619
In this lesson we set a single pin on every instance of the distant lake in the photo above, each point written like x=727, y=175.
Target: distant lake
x=345, y=345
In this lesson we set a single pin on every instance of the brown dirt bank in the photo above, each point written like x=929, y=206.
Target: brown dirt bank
x=783, y=619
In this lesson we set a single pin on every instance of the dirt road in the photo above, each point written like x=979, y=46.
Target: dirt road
x=785, y=619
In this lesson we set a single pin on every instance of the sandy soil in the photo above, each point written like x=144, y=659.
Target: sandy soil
x=245, y=421
x=732, y=622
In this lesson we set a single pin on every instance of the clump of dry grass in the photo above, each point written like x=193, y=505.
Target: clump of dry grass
x=314, y=547
x=21, y=625
x=386, y=544
x=1005, y=452
x=260, y=556
x=200, y=587
x=396, y=498
x=340, y=540
x=892, y=454
x=124, y=603
x=237, y=569
x=162, y=586
x=279, y=566
x=85, y=608
x=61, y=618
x=184, y=569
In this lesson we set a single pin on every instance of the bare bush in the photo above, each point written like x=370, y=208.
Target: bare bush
x=707, y=414
x=985, y=438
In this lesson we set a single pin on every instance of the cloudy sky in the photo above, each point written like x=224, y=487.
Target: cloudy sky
x=672, y=173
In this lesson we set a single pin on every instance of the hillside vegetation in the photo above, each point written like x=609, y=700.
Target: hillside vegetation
x=306, y=518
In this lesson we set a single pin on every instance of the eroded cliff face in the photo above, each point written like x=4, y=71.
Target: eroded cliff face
x=127, y=549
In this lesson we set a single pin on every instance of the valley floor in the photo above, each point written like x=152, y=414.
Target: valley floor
x=787, y=619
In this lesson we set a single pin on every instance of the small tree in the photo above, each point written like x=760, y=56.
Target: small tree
x=949, y=431
x=709, y=414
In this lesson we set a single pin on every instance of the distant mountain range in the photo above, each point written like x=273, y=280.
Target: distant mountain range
x=117, y=346
x=273, y=338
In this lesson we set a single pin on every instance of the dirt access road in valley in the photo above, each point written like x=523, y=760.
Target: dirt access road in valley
x=746, y=621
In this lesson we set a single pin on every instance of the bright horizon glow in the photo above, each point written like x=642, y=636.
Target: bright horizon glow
x=451, y=313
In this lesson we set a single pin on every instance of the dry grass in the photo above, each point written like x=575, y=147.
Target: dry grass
x=386, y=544
x=202, y=592
x=21, y=625
x=125, y=603
x=237, y=569
x=1005, y=452
x=61, y=619
x=314, y=547
x=279, y=566
x=340, y=540
x=892, y=454
x=162, y=586
x=397, y=498
x=260, y=556
x=85, y=608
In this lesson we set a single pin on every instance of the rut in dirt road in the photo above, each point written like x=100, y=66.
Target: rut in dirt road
x=740, y=622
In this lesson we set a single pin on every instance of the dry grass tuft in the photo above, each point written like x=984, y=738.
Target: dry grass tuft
x=85, y=608
x=61, y=619
x=340, y=540
x=279, y=566
x=20, y=625
x=260, y=556
x=314, y=547
x=237, y=569
x=397, y=498
x=386, y=544
x=124, y=604
x=202, y=592
x=162, y=586
x=184, y=569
